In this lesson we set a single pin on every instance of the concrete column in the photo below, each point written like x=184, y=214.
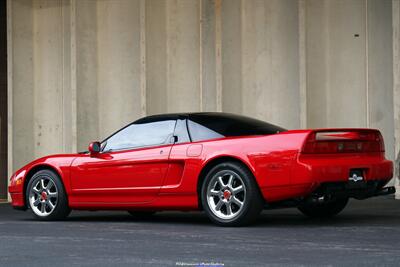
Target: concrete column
x=218, y=54
x=336, y=63
x=86, y=73
x=143, y=81
x=109, y=70
x=183, y=55
x=316, y=62
x=173, y=56
x=208, y=83
x=48, y=76
x=270, y=61
x=68, y=91
x=380, y=70
x=20, y=82
x=72, y=69
x=231, y=61
x=118, y=55
x=156, y=57
x=40, y=102
x=302, y=63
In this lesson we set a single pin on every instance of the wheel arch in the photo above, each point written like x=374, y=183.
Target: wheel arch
x=32, y=172
x=211, y=164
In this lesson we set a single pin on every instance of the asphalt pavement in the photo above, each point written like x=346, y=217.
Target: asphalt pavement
x=366, y=233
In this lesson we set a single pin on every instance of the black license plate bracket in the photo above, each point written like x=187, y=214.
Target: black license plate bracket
x=356, y=179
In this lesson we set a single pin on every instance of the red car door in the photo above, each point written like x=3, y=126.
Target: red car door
x=130, y=169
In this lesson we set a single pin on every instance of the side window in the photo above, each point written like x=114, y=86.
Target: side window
x=198, y=132
x=141, y=135
x=181, y=131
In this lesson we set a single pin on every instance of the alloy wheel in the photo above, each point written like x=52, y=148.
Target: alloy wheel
x=226, y=194
x=43, y=196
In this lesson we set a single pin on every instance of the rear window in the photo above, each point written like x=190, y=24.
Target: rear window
x=206, y=127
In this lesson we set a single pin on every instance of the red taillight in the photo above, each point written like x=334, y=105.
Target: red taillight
x=344, y=142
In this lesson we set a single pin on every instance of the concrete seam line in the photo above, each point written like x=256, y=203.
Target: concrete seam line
x=9, y=90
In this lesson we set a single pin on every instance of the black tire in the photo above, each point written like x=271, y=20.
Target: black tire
x=141, y=214
x=324, y=210
x=60, y=208
x=251, y=198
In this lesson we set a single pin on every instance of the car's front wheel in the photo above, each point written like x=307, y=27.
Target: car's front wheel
x=230, y=195
x=46, y=196
x=324, y=210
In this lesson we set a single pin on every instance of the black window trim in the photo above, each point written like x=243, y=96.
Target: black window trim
x=187, y=129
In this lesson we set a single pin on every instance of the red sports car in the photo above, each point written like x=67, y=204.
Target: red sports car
x=228, y=165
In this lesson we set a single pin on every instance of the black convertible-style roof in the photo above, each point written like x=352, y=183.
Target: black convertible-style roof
x=211, y=125
x=204, y=115
x=162, y=117
x=226, y=124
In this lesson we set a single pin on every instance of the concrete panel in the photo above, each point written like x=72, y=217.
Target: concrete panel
x=86, y=74
x=380, y=74
x=302, y=64
x=317, y=63
x=143, y=81
x=340, y=72
x=347, y=55
x=47, y=70
x=183, y=55
x=69, y=94
x=231, y=49
x=118, y=50
x=156, y=57
x=208, y=56
x=22, y=84
x=270, y=61
x=172, y=56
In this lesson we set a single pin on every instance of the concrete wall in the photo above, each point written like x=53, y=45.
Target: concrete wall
x=82, y=69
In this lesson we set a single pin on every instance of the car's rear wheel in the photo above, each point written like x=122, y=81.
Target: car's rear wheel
x=230, y=196
x=46, y=196
x=324, y=210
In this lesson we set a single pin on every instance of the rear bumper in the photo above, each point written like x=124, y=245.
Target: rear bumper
x=330, y=168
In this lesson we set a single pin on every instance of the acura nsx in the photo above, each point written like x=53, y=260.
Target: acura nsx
x=228, y=165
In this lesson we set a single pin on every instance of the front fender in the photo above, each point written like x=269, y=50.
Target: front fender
x=19, y=180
